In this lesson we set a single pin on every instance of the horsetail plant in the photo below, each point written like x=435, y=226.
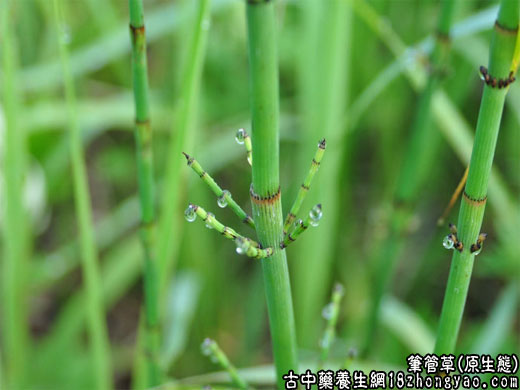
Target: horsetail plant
x=211, y=349
x=474, y=197
x=418, y=155
x=263, y=149
x=96, y=315
x=143, y=138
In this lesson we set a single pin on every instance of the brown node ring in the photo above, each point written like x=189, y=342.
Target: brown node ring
x=493, y=82
x=473, y=201
x=264, y=200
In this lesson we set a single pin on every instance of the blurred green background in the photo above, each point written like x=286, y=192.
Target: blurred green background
x=347, y=75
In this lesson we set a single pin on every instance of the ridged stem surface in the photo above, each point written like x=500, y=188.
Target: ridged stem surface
x=267, y=207
x=475, y=193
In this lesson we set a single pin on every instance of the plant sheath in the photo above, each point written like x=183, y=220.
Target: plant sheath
x=143, y=137
x=93, y=287
x=475, y=193
x=265, y=190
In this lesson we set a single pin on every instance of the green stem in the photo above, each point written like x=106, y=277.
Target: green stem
x=419, y=154
x=15, y=332
x=143, y=137
x=182, y=138
x=304, y=188
x=301, y=225
x=265, y=190
x=475, y=193
x=245, y=245
x=93, y=287
x=211, y=348
x=224, y=196
x=331, y=313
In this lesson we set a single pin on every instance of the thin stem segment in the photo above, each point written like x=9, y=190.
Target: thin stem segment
x=211, y=348
x=265, y=190
x=245, y=245
x=475, y=193
x=143, y=138
x=95, y=311
x=301, y=225
x=331, y=314
x=223, y=195
x=304, y=188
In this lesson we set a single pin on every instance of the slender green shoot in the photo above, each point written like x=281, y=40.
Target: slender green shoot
x=143, y=138
x=453, y=199
x=15, y=330
x=330, y=313
x=304, y=188
x=265, y=189
x=243, y=138
x=211, y=349
x=301, y=225
x=93, y=287
x=419, y=155
x=475, y=193
x=224, y=196
x=245, y=245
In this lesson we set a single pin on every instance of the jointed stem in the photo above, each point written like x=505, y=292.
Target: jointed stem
x=301, y=226
x=247, y=246
x=143, y=137
x=475, y=193
x=265, y=194
x=212, y=184
x=305, y=186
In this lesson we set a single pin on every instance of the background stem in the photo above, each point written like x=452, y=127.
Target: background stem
x=15, y=329
x=475, y=193
x=143, y=137
x=267, y=208
x=96, y=316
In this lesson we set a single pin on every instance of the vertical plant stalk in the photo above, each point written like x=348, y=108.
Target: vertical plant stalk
x=15, y=332
x=93, y=288
x=265, y=190
x=325, y=68
x=181, y=139
x=475, y=193
x=143, y=137
x=419, y=154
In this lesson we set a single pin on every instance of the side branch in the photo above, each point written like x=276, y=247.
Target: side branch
x=244, y=244
x=224, y=196
x=301, y=225
x=304, y=188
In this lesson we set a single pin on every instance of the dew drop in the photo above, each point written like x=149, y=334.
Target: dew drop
x=315, y=215
x=327, y=311
x=189, y=214
x=241, y=246
x=250, y=159
x=239, y=137
x=222, y=201
x=477, y=251
x=205, y=347
x=448, y=242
